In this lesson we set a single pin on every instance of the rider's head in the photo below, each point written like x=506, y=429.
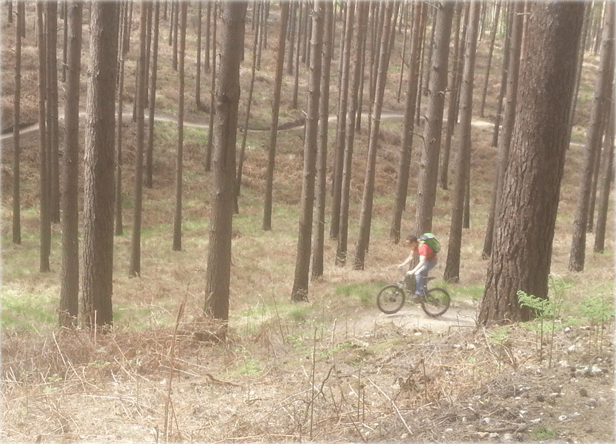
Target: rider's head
x=412, y=241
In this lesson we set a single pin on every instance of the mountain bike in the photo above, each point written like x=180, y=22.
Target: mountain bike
x=434, y=301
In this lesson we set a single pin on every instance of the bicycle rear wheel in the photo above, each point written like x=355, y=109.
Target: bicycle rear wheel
x=390, y=299
x=436, y=302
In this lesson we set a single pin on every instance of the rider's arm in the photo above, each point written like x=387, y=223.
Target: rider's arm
x=422, y=260
x=408, y=260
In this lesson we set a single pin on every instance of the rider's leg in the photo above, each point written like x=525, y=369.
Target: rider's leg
x=421, y=274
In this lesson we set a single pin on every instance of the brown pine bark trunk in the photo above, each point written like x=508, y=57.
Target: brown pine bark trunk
x=593, y=142
x=406, y=147
x=302, y=262
x=177, y=216
x=97, y=284
x=522, y=252
x=135, y=246
x=452, y=265
x=149, y=154
x=271, y=158
x=69, y=288
x=432, y=134
x=45, y=226
x=16, y=225
x=218, y=272
x=368, y=194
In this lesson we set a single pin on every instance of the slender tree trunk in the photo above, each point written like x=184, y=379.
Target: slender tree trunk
x=45, y=227
x=53, y=129
x=240, y=162
x=16, y=124
x=341, y=251
x=406, y=147
x=452, y=266
x=97, y=283
x=149, y=154
x=504, y=73
x=119, y=229
x=321, y=179
x=529, y=203
x=210, y=140
x=218, y=272
x=69, y=289
x=593, y=143
x=271, y=159
x=177, y=217
x=456, y=80
x=345, y=62
x=606, y=180
x=198, y=74
x=135, y=250
x=368, y=194
x=490, y=52
x=515, y=47
x=432, y=134
x=302, y=262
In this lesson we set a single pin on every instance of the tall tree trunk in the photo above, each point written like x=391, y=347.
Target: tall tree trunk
x=52, y=104
x=45, y=227
x=271, y=159
x=119, y=229
x=504, y=73
x=456, y=80
x=452, y=266
x=529, y=203
x=321, y=178
x=341, y=251
x=606, y=179
x=97, y=284
x=406, y=147
x=302, y=262
x=218, y=272
x=210, y=140
x=198, y=74
x=368, y=194
x=432, y=134
x=149, y=154
x=69, y=287
x=490, y=52
x=593, y=142
x=177, y=217
x=345, y=62
x=504, y=142
x=240, y=161
x=16, y=226
x=135, y=246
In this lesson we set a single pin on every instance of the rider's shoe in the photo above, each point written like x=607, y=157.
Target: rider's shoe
x=416, y=297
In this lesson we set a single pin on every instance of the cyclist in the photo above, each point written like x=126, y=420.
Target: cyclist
x=427, y=260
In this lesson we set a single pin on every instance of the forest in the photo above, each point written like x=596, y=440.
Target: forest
x=200, y=201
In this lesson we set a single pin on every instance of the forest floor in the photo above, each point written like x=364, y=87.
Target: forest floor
x=365, y=377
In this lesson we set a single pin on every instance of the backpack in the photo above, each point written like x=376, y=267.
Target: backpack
x=431, y=240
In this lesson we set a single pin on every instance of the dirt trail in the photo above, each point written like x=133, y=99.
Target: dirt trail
x=411, y=317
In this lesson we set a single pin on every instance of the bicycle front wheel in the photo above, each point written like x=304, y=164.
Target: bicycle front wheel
x=436, y=302
x=390, y=299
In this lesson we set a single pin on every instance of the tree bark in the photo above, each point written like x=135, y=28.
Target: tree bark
x=432, y=133
x=368, y=193
x=452, y=265
x=406, y=148
x=177, y=217
x=135, y=246
x=271, y=158
x=97, y=285
x=69, y=289
x=45, y=209
x=593, y=143
x=302, y=263
x=522, y=252
x=321, y=178
x=16, y=226
x=218, y=272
